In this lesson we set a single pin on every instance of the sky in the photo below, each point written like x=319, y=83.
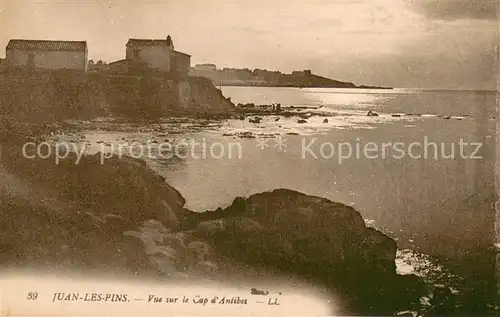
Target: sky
x=441, y=44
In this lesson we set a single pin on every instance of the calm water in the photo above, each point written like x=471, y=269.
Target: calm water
x=435, y=200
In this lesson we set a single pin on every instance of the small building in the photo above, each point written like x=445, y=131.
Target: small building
x=159, y=54
x=125, y=66
x=44, y=54
x=206, y=67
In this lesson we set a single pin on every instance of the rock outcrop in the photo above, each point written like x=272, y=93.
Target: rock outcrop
x=316, y=238
x=120, y=216
x=151, y=97
x=123, y=188
x=72, y=216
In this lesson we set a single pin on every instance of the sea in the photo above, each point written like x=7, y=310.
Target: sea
x=435, y=202
x=411, y=168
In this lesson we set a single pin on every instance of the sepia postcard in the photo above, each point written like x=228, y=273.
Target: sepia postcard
x=249, y=158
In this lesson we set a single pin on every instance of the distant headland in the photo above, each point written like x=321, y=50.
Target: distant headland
x=267, y=78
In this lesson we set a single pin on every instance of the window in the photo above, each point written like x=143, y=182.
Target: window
x=31, y=60
x=136, y=54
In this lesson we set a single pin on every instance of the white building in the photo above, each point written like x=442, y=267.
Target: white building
x=42, y=54
x=159, y=54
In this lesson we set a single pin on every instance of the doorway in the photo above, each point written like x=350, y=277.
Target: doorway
x=30, y=64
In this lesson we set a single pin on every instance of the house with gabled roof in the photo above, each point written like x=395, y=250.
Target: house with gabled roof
x=157, y=54
x=47, y=54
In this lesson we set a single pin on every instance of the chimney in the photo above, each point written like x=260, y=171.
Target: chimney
x=170, y=43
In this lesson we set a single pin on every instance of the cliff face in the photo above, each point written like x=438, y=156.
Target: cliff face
x=73, y=216
x=155, y=96
x=49, y=96
x=198, y=93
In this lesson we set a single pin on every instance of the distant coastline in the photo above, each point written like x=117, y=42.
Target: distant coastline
x=267, y=78
x=229, y=84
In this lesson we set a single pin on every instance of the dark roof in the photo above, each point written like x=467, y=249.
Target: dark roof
x=182, y=53
x=148, y=42
x=45, y=45
x=131, y=61
x=119, y=61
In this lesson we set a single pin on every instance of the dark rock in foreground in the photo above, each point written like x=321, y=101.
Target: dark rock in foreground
x=122, y=187
x=72, y=216
x=89, y=216
x=315, y=238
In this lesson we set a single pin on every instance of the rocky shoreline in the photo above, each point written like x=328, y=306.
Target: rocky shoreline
x=305, y=112
x=96, y=216
x=147, y=231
